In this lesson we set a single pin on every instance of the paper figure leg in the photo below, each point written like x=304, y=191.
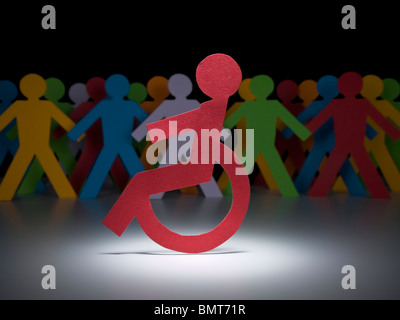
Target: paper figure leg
x=309, y=169
x=14, y=174
x=211, y=189
x=131, y=161
x=370, y=175
x=119, y=174
x=55, y=174
x=64, y=154
x=266, y=172
x=98, y=174
x=394, y=147
x=351, y=180
x=31, y=179
x=388, y=168
x=328, y=174
x=281, y=176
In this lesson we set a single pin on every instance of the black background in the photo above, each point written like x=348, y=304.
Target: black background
x=284, y=39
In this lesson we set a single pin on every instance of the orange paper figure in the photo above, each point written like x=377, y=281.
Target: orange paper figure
x=33, y=120
x=157, y=88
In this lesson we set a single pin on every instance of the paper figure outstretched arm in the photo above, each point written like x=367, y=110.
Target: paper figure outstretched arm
x=321, y=118
x=384, y=123
x=310, y=112
x=138, y=112
x=393, y=114
x=140, y=132
x=291, y=121
x=188, y=120
x=7, y=117
x=235, y=117
x=85, y=123
x=63, y=120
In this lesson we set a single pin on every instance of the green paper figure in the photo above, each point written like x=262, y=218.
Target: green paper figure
x=261, y=115
x=55, y=91
x=391, y=91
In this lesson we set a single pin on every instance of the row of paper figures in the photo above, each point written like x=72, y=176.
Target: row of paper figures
x=351, y=148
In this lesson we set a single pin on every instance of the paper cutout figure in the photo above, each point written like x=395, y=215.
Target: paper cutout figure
x=223, y=181
x=55, y=91
x=350, y=120
x=372, y=89
x=117, y=117
x=308, y=93
x=78, y=95
x=138, y=93
x=157, y=88
x=93, y=137
x=180, y=86
x=324, y=142
x=391, y=91
x=8, y=93
x=34, y=120
x=218, y=76
x=287, y=91
x=95, y=89
x=261, y=115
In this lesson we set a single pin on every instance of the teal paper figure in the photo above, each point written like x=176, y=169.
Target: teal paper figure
x=117, y=116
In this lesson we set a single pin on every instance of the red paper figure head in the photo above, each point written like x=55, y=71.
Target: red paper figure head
x=350, y=84
x=218, y=76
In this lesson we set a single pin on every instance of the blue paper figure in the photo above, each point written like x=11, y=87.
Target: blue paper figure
x=8, y=93
x=324, y=141
x=117, y=118
x=180, y=86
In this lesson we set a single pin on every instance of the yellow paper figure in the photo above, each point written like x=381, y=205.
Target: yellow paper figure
x=33, y=121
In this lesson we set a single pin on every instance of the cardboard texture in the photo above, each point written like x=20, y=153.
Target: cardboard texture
x=218, y=76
